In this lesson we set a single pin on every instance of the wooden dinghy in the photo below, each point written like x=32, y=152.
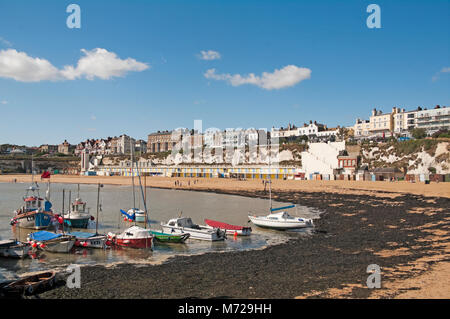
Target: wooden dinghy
x=31, y=284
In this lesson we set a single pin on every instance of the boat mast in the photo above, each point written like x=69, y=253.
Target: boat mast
x=270, y=180
x=62, y=214
x=70, y=203
x=132, y=174
x=145, y=200
x=32, y=170
x=98, y=203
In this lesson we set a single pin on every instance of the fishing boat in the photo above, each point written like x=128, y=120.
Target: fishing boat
x=78, y=215
x=14, y=249
x=36, y=212
x=281, y=220
x=169, y=238
x=230, y=229
x=30, y=284
x=92, y=240
x=52, y=242
x=133, y=237
x=184, y=225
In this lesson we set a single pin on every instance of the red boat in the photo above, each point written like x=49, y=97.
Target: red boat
x=133, y=237
x=230, y=229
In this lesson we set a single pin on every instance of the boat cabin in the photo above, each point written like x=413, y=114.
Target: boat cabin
x=78, y=206
x=135, y=232
x=280, y=215
x=183, y=222
x=32, y=203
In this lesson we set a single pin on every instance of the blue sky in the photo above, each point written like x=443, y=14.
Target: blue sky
x=352, y=68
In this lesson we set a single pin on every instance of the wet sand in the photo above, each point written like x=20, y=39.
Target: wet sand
x=404, y=229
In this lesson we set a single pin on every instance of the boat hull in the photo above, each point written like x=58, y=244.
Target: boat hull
x=34, y=221
x=246, y=231
x=78, y=222
x=15, y=251
x=200, y=234
x=135, y=242
x=280, y=225
x=59, y=246
x=29, y=285
x=169, y=238
x=140, y=219
x=98, y=242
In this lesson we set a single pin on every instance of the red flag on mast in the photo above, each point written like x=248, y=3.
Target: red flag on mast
x=46, y=174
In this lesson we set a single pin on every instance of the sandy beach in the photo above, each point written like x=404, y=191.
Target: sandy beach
x=378, y=188
x=404, y=228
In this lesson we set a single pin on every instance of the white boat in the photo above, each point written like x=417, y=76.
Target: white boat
x=59, y=245
x=90, y=240
x=281, y=220
x=13, y=249
x=133, y=237
x=184, y=225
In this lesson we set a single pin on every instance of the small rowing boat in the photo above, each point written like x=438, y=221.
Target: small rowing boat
x=230, y=229
x=169, y=238
x=52, y=242
x=30, y=284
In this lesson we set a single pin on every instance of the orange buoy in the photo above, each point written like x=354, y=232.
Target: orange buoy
x=235, y=235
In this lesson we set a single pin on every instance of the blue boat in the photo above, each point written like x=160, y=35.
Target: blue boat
x=36, y=213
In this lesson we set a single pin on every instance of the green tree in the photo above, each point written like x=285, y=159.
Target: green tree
x=418, y=133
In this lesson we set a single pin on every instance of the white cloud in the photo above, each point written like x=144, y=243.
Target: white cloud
x=209, y=55
x=278, y=79
x=21, y=67
x=102, y=64
x=443, y=70
x=3, y=102
x=97, y=63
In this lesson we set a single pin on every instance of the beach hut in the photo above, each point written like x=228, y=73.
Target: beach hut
x=387, y=173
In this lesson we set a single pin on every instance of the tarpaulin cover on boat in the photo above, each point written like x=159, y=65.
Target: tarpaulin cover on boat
x=44, y=235
x=214, y=223
x=279, y=208
x=80, y=234
x=132, y=217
